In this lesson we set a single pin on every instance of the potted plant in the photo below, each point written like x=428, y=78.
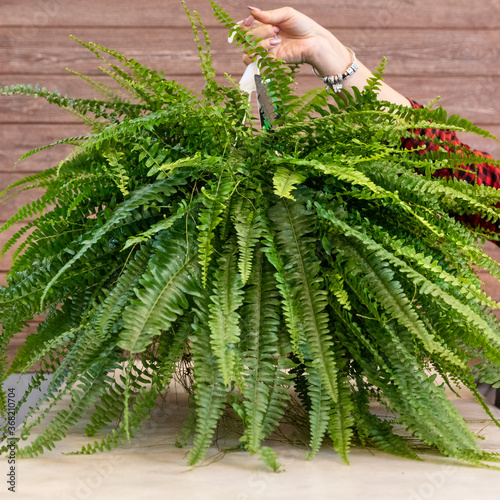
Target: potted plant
x=318, y=256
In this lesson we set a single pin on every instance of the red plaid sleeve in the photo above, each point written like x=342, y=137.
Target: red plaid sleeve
x=480, y=173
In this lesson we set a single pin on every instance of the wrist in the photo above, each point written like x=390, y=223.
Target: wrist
x=329, y=56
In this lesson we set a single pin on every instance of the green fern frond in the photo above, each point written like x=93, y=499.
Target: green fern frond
x=171, y=274
x=84, y=396
x=184, y=211
x=210, y=392
x=248, y=226
x=341, y=420
x=292, y=225
x=378, y=431
x=224, y=326
x=284, y=182
x=290, y=304
x=123, y=290
x=214, y=201
x=319, y=413
x=373, y=83
x=265, y=390
x=383, y=283
x=137, y=198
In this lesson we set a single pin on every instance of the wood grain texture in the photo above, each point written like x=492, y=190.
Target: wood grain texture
x=431, y=52
x=19, y=138
x=491, y=284
x=34, y=15
x=10, y=205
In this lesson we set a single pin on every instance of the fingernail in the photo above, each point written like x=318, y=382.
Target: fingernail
x=249, y=20
x=276, y=29
x=254, y=8
x=274, y=42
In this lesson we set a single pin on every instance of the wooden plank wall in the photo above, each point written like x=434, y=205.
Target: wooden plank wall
x=447, y=48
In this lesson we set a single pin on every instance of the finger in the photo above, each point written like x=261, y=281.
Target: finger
x=263, y=31
x=270, y=44
x=267, y=43
x=273, y=17
x=247, y=59
x=248, y=22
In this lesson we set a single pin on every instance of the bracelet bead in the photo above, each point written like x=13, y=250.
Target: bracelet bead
x=334, y=82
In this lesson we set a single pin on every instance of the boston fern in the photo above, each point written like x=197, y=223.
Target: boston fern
x=317, y=256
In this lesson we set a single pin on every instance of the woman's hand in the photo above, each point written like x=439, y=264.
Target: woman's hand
x=296, y=38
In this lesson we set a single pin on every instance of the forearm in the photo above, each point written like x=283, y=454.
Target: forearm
x=386, y=93
x=330, y=57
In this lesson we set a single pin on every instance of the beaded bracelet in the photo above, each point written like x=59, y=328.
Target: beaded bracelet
x=335, y=82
